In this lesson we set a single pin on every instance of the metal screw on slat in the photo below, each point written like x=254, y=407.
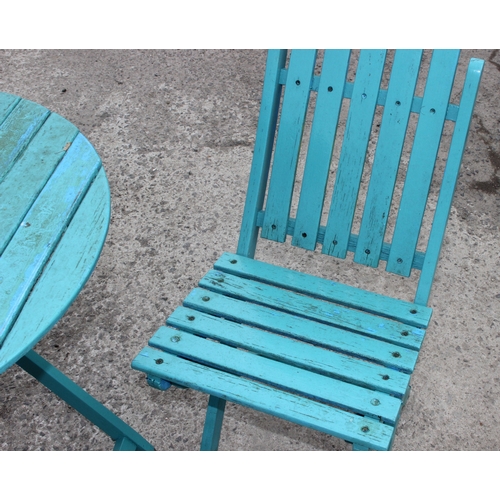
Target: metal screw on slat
x=375, y=402
x=396, y=355
x=205, y=299
x=365, y=428
x=405, y=333
x=175, y=338
x=159, y=361
x=385, y=377
x=190, y=318
x=233, y=261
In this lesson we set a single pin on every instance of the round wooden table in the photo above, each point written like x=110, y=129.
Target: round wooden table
x=54, y=216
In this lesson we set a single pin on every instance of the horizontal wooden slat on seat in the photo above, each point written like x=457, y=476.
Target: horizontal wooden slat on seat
x=274, y=373
x=246, y=340
x=343, y=424
x=307, y=307
x=297, y=350
x=325, y=289
x=308, y=330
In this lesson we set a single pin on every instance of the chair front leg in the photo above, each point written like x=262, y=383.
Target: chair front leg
x=213, y=424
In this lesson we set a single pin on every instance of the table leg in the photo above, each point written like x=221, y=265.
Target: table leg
x=126, y=438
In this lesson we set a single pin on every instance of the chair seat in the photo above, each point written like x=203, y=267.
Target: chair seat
x=306, y=349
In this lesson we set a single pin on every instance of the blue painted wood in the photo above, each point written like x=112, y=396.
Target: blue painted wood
x=448, y=184
x=282, y=375
x=292, y=407
x=31, y=246
x=7, y=103
x=334, y=337
x=418, y=258
x=54, y=216
x=353, y=154
x=264, y=142
x=357, y=447
x=318, y=353
x=295, y=341
x=451, y=113
x=319, y=153
x=399, y=310
x=213, y=424
x=64, y=275
x=17, y=131
x=332, y=314
x=293, y=113
x=51, y=144
x=422, y=160
x=387, y=156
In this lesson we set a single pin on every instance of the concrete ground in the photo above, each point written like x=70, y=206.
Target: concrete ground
x=175, y=131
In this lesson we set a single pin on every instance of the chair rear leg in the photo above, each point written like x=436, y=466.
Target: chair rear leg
x=213, y=424
x=126, y=438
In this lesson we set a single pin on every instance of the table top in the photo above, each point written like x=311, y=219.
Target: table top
x=54, y=216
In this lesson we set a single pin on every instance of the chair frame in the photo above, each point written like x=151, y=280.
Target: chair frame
x=288, y=84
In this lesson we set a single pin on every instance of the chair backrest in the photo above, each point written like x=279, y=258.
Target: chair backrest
x=325, y=137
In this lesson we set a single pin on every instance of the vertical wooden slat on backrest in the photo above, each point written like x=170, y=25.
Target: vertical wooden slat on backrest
x=319, y=153
x=423, y=156
x=264, y=140
x=385, y=167
x=353, y=154
x=293, y=113
x=449, y=181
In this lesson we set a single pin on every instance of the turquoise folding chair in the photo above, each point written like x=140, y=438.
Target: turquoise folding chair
x=307, y=349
